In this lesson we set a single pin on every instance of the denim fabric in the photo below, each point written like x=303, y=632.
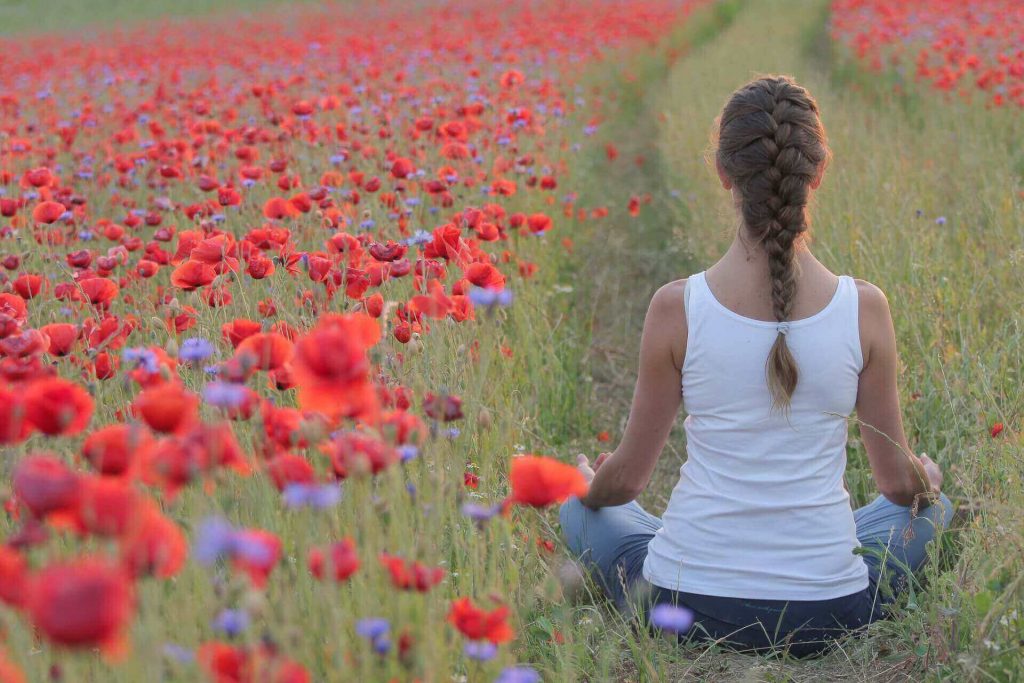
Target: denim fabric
x=612, y=544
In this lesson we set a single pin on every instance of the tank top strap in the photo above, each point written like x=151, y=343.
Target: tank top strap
x=695, y=298
x=851, y=316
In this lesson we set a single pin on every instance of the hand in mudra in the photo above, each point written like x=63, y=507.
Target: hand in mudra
x=584, y=466
x=933, y=471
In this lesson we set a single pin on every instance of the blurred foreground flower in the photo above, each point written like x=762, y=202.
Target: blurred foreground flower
x=671, y=618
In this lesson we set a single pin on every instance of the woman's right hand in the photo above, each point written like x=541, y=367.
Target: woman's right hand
x=933, y=471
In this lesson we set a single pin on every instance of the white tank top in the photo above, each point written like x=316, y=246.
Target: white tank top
x=760, y=510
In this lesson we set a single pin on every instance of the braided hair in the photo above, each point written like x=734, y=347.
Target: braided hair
x=771, y=145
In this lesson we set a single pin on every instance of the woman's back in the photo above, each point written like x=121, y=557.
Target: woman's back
x=760, y=507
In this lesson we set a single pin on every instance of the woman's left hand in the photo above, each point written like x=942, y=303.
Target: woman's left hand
x=583, y=464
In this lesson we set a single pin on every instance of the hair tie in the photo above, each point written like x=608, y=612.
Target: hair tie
x=783, y=327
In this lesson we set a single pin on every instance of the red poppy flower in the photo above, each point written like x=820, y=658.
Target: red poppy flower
x=331, y=366
x=402, y=168
x=114, y=449
x=268, y=350
x=62, y=338
x=354, y=453
x=106, y=505
x=485, y=275
x=446, y=407
x=262, y=551
x=13, y=313
x=13, y=577
x=342, y=558
x=57, y=406
x=47, y=212
x=411, y=576
x=238, y=329
x=479, y=624
x=167, y=407
x=193, y=275
x=538, y=223
x=28, y=286
x=99, y=290
x=24, y=344
x=81, y=603
x=225, y=663
x=277, y=208
x=288, y=468
x=153, y=545
x=44, y=484
x=539, y=481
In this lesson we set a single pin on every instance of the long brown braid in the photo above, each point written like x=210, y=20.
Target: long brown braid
x=771, y=145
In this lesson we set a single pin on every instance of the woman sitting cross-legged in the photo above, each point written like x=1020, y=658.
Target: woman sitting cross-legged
x=770, y=353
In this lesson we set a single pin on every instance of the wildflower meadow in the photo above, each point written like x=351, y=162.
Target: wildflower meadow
x=307, y=308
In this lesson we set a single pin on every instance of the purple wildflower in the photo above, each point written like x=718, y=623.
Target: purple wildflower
x=224, y=394
x=518, y=674
x=142, y=357
x=480, y=650
x=195, y=349
x=375, y=629
x=319, y=496
x=672, y=618
x=407, y=452
x=215, y=539
x=232, y=621
x=480, y=513
x=179, y=653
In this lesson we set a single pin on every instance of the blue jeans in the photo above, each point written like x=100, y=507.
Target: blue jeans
x=612, y=545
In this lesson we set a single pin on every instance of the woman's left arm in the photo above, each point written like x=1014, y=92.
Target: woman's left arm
x=656, y=399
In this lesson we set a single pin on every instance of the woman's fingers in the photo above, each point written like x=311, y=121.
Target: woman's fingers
x=600, y=459
x=583, y=465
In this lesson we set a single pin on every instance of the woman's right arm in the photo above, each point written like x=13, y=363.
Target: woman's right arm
x=900, y=475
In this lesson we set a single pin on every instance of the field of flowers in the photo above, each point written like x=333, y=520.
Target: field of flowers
x=255, y=277
x=302, y=310
x=956, y=47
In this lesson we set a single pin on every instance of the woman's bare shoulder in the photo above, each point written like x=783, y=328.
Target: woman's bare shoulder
x=669, y=297
x=875, y=321
x=873, y=301
x=667, y=318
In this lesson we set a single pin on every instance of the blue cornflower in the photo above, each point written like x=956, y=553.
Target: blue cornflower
x=518, y=674
x=480, y=513
x=195, y=349
x=672, y=618
x=320, y=496
x=407, y=452
x=224, y=394
x=231, y=621
x=480, y=650
x=215, y=538
x=142, y=357
x=372, y=627
x=482, y=296
x=179, y=653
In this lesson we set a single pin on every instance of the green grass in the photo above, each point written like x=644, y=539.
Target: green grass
x=19, y=18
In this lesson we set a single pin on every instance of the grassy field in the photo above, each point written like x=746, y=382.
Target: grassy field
x=27, y=17
x=923, y=200
x=956, y=293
